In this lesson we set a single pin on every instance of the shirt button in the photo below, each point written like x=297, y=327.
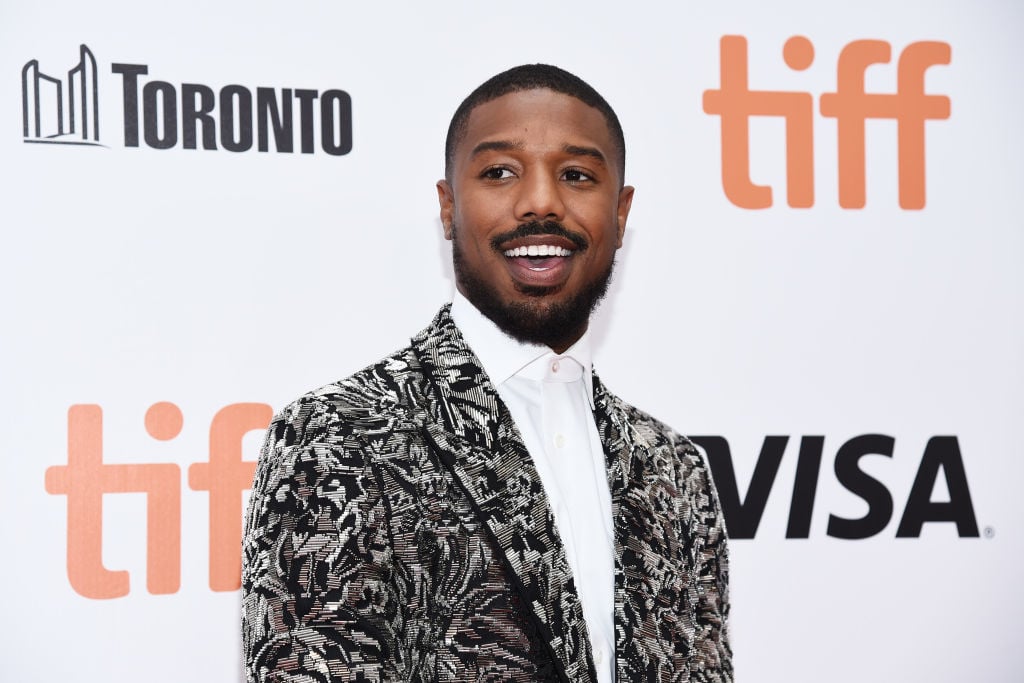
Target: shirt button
x=599, y=656
x=554, y=366
x=559, y=441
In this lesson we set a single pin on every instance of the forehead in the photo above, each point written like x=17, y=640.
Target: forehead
x=541, y=118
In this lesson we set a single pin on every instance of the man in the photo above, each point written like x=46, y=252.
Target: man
x=477, y=506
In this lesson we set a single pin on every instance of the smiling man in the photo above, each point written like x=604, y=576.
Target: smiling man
x=478, y=506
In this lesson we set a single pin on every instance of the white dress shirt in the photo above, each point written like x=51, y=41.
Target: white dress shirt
x=551, y=399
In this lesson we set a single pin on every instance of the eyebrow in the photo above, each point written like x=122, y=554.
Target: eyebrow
x=592, y=152
x=514, y=145
x=497, y=146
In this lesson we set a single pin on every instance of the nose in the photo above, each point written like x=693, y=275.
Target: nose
x=539, y=198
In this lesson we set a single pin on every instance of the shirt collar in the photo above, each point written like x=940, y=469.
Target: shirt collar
x=502, y=357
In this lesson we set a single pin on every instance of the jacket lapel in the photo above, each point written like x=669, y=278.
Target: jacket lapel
x=651, y=635
x=476, y=438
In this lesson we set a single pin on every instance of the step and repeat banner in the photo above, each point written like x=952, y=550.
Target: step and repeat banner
x=209, y=209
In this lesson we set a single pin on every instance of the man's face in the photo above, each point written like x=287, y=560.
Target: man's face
x=536, y=211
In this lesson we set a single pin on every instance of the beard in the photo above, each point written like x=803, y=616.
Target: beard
x=556, y=324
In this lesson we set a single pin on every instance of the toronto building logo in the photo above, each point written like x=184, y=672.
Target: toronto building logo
x=61, y=111
x=159, y=114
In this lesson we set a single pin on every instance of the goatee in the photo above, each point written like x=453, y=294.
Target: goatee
x=554, y=324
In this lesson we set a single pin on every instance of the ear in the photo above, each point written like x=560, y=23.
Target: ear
x=446, y=198
x=625, y=201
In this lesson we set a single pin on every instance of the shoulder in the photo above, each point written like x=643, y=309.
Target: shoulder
x=377, y=394
x=676, y=455
x=319, y=450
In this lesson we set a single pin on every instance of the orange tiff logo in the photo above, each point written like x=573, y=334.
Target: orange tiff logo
x=86, y=478
x=849, y=105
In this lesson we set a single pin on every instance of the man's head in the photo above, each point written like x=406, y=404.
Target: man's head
x=532, y=77
x=534, y=202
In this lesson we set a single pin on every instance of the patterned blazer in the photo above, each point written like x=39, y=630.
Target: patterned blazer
x=398, y=531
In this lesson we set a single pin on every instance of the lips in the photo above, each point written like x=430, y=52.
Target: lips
x=539, y=260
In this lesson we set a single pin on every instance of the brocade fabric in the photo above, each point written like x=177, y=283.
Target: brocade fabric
x=398, y=531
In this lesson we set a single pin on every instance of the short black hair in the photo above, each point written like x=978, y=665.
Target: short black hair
x=532, y=77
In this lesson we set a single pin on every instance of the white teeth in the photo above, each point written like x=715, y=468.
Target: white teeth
x=538, y=250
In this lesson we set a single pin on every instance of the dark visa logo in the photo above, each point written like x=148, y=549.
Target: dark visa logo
x=941, y=455
x=162, y=115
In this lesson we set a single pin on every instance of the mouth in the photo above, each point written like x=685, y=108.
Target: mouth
x=539, y=257
x=539, y=261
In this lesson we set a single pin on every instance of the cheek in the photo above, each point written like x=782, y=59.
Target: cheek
x=476, y=224
x=601, y=224
x=595, y=210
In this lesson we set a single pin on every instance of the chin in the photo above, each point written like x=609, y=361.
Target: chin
x=537, y=315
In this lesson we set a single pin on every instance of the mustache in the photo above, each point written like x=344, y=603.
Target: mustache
x=539, y=228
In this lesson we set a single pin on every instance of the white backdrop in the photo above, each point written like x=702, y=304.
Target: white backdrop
x=206, y=278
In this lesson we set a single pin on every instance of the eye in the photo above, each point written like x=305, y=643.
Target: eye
x=496, y=173
x=575, y=175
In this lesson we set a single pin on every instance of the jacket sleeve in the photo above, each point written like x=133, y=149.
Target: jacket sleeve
x=712, y=656
x=318, y=604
